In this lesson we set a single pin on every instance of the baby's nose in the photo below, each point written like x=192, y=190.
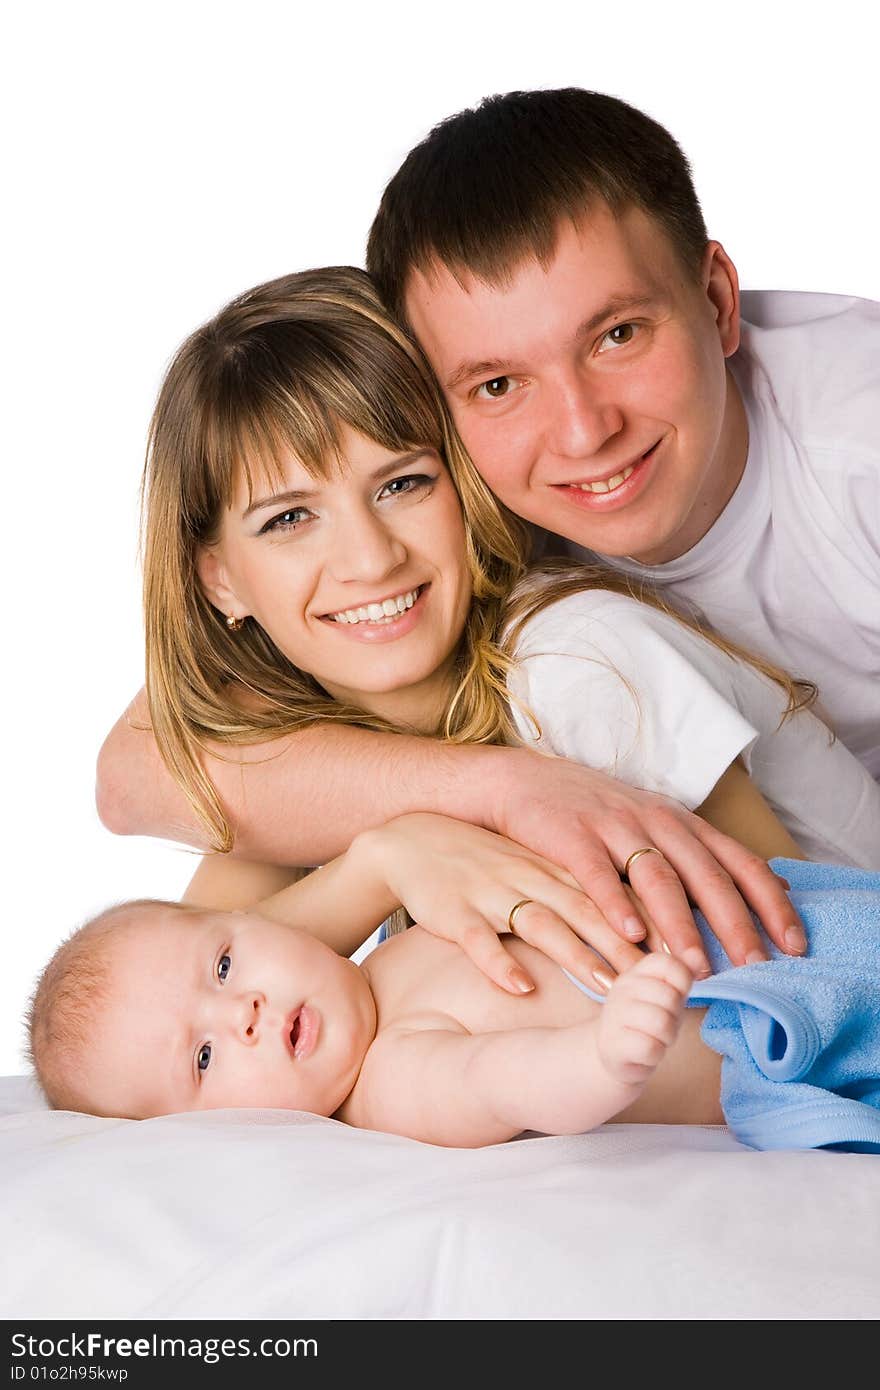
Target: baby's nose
x=250, y=1010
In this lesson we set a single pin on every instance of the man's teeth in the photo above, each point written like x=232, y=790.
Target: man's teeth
x=606, y=484
x=383, y=612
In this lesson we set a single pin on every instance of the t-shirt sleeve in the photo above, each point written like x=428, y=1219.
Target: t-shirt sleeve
x=624, y=688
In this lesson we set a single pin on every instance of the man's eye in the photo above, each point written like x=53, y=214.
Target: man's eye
x=618, y=336
x=203, y=1061
x=224, y=965
x=495, y=389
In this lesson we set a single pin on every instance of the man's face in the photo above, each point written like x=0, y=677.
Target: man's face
x=592, y=395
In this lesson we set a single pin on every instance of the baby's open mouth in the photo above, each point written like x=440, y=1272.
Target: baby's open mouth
x=302, y=1031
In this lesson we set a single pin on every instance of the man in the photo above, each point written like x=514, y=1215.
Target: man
x=549, y=252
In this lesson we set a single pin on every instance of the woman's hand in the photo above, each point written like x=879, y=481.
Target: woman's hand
x=461, y=882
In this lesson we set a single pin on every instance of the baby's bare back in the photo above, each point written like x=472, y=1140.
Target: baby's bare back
x=422, y=982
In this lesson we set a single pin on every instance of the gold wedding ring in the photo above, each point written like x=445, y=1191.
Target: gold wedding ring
x=511, y=916
x=637, y=853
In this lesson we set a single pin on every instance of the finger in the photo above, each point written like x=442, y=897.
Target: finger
x=654, y=1021
x=763, y=890
x=584, y=918
x=539, y=926
x=481, y=944
x=654, y=878
x=662, y=972
x=591, y=864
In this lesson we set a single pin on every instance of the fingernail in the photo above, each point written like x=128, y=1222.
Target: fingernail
x=696, y=962
x=795, y=940
x=520, y=980
x=665, y=948
x=634, y=928
x=755, y=958
x=602, y=980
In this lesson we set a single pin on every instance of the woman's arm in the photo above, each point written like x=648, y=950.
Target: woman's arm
x=303, y=798
x=736, y=807
x=457, y=880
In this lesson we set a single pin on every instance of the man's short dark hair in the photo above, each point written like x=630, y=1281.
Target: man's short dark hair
x=488, y=187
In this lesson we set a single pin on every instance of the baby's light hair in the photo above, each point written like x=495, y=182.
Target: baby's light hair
x=61, y=1012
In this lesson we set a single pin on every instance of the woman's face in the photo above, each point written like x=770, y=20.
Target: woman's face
x=360, y=579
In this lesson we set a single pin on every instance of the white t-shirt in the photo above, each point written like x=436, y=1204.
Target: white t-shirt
x=791, y=568
x=622, y=687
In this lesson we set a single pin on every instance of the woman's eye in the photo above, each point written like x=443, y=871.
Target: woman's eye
x=618, y=336
x=495, y=389
x=286, y=521
x=411, y=483
x=224, y=965
x=203, y=1061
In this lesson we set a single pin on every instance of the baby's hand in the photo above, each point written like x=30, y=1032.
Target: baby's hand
x=641, y=1017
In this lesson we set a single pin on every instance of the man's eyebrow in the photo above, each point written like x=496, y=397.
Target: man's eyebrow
x=293, y=495
x=617, y=304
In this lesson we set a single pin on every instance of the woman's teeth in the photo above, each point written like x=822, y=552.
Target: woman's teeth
x=607, y=484
x=383, y=612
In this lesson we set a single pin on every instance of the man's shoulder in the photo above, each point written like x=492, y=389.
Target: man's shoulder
x=802, y=309
x=820, y=356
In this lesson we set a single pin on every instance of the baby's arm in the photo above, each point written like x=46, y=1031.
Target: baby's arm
x=463, y=1090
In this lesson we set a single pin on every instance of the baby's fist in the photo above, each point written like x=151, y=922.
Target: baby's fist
x=641, y=1017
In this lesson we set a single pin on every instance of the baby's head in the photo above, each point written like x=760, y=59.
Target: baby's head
x=155, y=1007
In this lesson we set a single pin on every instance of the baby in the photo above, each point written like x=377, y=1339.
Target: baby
x=154, y=1008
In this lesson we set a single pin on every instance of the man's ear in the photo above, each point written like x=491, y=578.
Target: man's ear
x=215, y=583
x=721, y=283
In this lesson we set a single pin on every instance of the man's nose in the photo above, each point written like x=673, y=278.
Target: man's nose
x=365, y=549
x=581, y=417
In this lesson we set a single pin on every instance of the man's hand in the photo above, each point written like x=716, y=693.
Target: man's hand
x=590, y=824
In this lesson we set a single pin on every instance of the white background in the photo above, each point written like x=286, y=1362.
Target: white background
x=162, y=158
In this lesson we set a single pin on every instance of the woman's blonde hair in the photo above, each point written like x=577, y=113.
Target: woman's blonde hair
x=280, y=369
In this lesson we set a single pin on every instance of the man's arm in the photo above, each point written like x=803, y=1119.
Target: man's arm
x=303, y=798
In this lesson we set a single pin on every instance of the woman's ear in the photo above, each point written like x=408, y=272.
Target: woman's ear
x=215, y=583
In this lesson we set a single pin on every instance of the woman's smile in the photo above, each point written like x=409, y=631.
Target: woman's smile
x=381, y=620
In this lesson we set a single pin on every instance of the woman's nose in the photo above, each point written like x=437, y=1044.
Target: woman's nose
x=366, y=549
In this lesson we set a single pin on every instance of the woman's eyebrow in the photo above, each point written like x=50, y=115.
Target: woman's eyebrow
x=293, y=495
x=277, y=498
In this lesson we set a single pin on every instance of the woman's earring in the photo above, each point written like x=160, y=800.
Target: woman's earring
x=234, y=624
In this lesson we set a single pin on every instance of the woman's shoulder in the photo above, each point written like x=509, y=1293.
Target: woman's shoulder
x=597, y=617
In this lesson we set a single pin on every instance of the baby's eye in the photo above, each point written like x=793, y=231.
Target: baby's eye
x=203, y=1061
x=224, y=965
x=619, y=336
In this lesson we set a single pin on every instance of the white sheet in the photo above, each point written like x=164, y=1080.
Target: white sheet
x=249, y=1214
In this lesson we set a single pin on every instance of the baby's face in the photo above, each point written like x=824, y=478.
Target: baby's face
x=218, y=1009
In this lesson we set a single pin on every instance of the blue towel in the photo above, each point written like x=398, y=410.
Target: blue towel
x=800, y=1038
